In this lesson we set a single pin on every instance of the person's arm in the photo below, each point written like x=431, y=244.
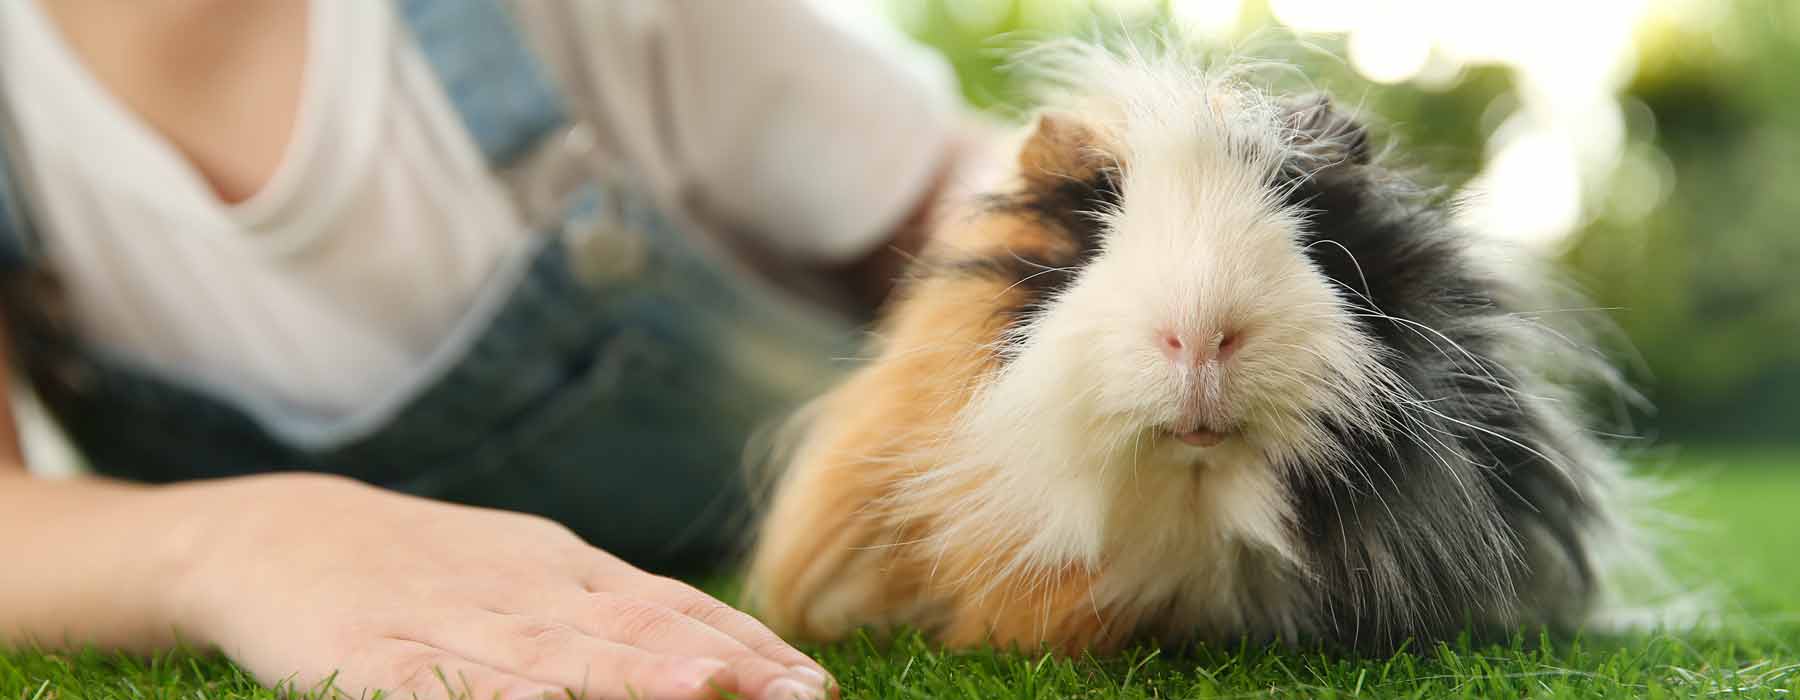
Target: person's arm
x=828, y=141
x=12, y=449
x=304, y=577
x=79, y=552
x=971, y=165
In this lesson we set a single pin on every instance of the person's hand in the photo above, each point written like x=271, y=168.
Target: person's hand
x=308, y=579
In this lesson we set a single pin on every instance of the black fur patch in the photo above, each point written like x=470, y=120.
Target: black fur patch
x=1071, y=210
x=1434, y=525
x=1072, y=207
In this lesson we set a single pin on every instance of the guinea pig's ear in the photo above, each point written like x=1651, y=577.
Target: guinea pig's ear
x=1322, y=131
x=1059, y=148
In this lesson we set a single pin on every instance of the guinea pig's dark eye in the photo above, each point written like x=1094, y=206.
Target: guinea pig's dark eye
x=1070, y=208
x=1063, y=209
x=1076, y=208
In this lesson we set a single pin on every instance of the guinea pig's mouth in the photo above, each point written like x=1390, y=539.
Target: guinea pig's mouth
x=1201, y=436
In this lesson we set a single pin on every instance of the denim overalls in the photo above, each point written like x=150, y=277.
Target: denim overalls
x=608, y=378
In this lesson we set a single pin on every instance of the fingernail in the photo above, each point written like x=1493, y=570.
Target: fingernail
x=696, y=674
x=790, y=689
x=811, y=676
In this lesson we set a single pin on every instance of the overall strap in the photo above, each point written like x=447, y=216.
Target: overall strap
x=491, y=74
x=16, y=239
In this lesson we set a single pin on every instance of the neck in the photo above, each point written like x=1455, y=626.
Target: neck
x=220, y=79
x=191, y=38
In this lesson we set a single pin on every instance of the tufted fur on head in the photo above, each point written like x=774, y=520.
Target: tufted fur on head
x=1205, y=368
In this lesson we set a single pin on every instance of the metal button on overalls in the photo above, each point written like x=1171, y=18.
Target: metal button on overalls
x=604, y=250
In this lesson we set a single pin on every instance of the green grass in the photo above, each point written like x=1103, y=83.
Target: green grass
x=1741, y=538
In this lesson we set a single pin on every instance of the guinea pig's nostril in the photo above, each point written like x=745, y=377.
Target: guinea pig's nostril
x=1228, y=345
x=1171, y=345
x=1197, y=350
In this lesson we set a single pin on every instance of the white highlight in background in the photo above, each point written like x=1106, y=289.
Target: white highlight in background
x=1316, y=15
x=1126, y=8
x=1389, y=52
x=1530, y=191
x=1207, y=18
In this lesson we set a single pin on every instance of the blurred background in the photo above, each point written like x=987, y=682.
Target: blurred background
x=1652, y=145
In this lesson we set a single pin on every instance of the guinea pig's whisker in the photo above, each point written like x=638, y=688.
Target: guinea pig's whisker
x=1537, y=326
x=1532, y=314
x=890, y=545
x=1137, y=443
x=1367, y=305
x=1558, y=464
x=1047, y=268
x=1418, y=328
x=1420, y=401
x=1489, y=380
x=1302, y=348
x=1354, y=262
x=1471, y=357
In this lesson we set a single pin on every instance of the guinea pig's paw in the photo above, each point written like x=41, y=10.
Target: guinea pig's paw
x=851, y=599
x=1057, y=612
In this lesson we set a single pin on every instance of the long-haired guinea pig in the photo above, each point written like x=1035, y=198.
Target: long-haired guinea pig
x=1202, y=369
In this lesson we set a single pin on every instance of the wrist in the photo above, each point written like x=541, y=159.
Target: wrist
x=221, y=536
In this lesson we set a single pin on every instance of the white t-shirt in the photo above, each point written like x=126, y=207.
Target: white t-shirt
x=382, y=222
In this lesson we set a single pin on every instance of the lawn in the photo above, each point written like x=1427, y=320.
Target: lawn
x=1743, y=540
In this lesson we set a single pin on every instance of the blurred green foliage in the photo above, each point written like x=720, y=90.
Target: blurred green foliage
x=1705, y=284
x=1698, y=278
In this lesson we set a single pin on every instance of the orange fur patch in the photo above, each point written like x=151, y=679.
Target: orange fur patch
x=835, y=552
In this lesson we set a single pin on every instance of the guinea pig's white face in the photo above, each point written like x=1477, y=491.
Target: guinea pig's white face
x=1199, y=330
x=1202, y=320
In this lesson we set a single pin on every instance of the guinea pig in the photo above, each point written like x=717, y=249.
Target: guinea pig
x=1203, y=368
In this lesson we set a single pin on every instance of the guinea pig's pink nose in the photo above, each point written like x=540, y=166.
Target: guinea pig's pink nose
x=1197, y=350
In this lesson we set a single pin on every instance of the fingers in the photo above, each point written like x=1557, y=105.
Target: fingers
x=608, y=573
x=408, y=669
x=643, y=623
x=557, y=655
x=689, y=601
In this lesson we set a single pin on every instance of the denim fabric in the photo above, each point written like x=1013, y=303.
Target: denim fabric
x=613, y=390
x=609, y=377
x=15, y=232
x=493, y=78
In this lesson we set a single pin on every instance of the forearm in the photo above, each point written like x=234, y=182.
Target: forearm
x=869, y=280
x=971, y=164
x=87, y=561
x=92, y=562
